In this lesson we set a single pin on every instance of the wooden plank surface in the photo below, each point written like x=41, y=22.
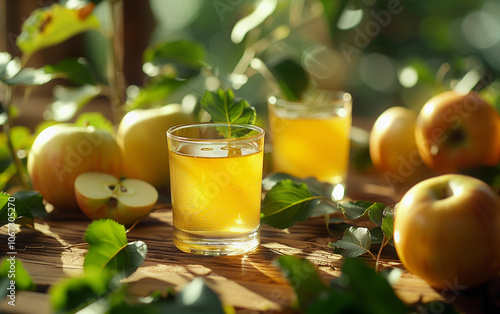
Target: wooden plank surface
x=250, y=283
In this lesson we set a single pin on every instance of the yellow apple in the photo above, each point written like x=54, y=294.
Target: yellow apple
x=101, y=195
x=63, y=151
x=142, y=138
x=393, y=149
x=447, y=231
x=458, y=131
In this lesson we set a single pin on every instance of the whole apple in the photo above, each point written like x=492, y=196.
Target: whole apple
x=63, y=151
x=142, y=137
x=447, y=231
x=101, y=195
x=458, y=131
x=393, y=149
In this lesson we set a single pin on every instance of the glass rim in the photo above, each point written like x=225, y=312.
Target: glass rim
x=249, y=138
x=340, y=97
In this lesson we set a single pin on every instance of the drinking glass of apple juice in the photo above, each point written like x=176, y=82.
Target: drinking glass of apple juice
x=310, y=137
x=216, y=182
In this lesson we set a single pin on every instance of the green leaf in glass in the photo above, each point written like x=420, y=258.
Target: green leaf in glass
x=223, y=108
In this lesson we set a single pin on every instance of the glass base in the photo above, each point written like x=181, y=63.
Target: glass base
x=234, y=244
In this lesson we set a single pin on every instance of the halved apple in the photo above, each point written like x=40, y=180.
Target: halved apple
x=101, y=195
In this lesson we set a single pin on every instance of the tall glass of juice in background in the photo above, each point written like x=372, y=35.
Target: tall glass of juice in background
x=216, y=180
x=310, y=137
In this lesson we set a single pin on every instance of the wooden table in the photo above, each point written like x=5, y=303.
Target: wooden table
x=250, y=283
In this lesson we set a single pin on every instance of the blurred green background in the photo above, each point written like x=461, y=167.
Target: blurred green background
x=385, y=53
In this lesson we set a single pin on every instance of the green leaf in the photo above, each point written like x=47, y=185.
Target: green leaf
x=194, y=298
x=76, y=70
x=95, y=119
x=108, y=248
x=320, y=207
x=13, y=275
x=388, y=226
x=223, y=108
x=262, y=11
x=358, y=209
x=14, y=210
x=291, y=77
x=371, y=288
x=155, y=93
x=430, y=307
x=71, y=294
x=52, y=25
x=286, y=204
x=376, y=213
x=304, y=278
x=29, y=76
x=11, y=72
x=354, y=243
x=34, y=201
x=69, y=100
x=184, y=55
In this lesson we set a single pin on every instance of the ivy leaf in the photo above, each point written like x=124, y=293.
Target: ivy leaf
x=76, y=70
x=307, y=283
x=15, y=210
x=71, y=294
x=52, y=25
x=69, y=100
x=286, y=204
x=108, y=248
x=155, y=93
x=357, y=209
x=354, y=243
x=223, y=108
x=21, y=277
x=184, y=55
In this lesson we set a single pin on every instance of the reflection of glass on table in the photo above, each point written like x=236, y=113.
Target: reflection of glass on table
x=216, y=188
x=310, y=137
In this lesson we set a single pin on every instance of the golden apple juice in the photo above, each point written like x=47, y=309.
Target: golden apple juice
x=216, y=193
x=311, y=139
